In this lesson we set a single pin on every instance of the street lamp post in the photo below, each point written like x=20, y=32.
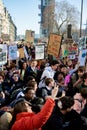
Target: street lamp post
x=81, y=18
x=0, y=26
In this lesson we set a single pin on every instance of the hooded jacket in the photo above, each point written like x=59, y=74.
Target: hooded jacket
x=47, y=73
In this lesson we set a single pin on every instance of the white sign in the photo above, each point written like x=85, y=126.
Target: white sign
x=3, y=54
x=39, y=52
x=13, y=52
x=82, y=57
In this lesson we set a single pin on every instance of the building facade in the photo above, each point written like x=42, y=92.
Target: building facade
x=44, y=31
x=8, y=30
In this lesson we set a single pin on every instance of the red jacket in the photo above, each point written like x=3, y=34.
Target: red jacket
x=31, y=121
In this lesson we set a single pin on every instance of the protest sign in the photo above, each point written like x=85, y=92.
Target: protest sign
x=54, y=44
x=39, y=51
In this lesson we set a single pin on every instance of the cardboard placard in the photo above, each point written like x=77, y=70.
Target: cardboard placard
x=54, y=44
x=21, y=52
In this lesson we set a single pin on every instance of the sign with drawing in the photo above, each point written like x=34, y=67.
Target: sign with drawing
x=12, y=52
x=82, y=57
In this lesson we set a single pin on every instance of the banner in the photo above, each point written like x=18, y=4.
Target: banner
x=12, y=52
x=3, y=54
x=54, y=44
x=39, y=51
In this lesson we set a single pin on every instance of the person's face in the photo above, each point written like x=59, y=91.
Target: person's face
x=60, y=76
x=24, y=65
x=34, y=63
x=54, y=67
x=69, y=63
x=15, y=77
x=30, y=94
x=1, y=79
x=13, y=69
x=80, y=74
x=64, y=70
x=35, y=87
x=51, y=84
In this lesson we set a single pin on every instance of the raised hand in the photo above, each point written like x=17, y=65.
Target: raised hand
x=55, y=90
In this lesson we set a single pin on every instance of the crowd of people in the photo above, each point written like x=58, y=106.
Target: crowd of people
x=43, y=95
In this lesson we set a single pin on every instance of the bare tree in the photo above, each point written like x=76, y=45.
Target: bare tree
x=57, y=16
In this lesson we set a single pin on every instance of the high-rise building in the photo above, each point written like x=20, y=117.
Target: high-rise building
x=44, y=31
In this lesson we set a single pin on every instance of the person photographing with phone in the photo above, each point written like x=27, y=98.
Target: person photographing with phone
x=25, y=119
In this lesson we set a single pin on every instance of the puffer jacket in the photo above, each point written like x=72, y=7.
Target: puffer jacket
x=32, y=121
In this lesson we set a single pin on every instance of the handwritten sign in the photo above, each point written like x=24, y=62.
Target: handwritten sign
x=21, y=52
x=54, y=44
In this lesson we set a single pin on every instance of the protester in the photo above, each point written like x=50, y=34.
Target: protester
x=24, y=118
x=23, y=70
x=19, y=86
x=56, y=120
x=32, y=70
x=84, y=99
x=5, y=120
x=48, y=72
x=46, y=91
